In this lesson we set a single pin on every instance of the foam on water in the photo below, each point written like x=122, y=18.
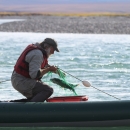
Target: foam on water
x=103, y=60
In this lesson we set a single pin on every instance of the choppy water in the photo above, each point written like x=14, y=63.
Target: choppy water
x=103, y=60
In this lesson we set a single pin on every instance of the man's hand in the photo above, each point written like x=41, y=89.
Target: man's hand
x=48, y=68
x=53, y=68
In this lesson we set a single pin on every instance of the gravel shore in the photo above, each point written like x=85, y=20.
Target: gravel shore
x=68, y=24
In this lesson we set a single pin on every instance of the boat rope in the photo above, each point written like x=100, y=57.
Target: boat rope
x=71, y=75
x=106, y=93
x=91, y=86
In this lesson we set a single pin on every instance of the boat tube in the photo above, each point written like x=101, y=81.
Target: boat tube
x=65, y=114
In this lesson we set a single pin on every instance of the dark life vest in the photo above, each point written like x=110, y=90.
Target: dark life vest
x=22, y=67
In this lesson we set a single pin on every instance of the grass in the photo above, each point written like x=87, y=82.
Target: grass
x=65, y=14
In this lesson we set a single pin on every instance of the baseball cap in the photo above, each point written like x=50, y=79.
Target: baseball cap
x=52, y=42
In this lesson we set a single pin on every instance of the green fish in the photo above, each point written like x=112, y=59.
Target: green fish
x=64, y=84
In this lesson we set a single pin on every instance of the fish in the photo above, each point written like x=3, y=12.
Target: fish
x=64, y=84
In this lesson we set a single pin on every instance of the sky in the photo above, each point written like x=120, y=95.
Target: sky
x=68, y=6
x=12, y=2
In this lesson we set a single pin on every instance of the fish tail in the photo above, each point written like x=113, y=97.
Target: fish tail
x=76, y=85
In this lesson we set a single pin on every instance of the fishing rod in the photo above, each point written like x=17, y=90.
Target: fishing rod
x=4, y=81
x=87, y=84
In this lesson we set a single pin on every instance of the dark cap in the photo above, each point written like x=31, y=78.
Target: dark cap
x=52, y=43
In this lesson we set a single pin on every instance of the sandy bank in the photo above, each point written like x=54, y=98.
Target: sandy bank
x=65, y=24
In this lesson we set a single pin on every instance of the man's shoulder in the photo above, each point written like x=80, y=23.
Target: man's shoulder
x=35, y=52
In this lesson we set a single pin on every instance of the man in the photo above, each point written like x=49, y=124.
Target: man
x=29, y=69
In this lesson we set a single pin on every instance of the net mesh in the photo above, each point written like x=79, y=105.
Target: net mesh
x=62, y=81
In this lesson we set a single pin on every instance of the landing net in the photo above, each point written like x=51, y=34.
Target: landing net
x=62, y=81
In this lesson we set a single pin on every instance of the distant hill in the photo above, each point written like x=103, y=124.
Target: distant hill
x=65, y=6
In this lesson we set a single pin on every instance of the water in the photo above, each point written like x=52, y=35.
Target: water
x=103, y=60
x=9, y=20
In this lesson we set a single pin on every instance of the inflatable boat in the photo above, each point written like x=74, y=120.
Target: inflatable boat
x=62, y=112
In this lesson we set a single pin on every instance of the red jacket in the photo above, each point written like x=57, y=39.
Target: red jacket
x=22, y=67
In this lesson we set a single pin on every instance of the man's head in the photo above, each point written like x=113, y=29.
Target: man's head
x=50, y=42
x=50, y=45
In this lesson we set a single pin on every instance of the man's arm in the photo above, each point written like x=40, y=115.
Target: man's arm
x=47, y=69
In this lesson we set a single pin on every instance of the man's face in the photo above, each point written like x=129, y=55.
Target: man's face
x=50, y=51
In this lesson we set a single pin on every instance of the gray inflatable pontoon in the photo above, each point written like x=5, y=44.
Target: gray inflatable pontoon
x=65, y=114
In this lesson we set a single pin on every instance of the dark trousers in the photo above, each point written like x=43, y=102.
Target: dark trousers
x=41, y=92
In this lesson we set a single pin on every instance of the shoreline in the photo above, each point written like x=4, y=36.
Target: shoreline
x=65, y=14
x=68, y=24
